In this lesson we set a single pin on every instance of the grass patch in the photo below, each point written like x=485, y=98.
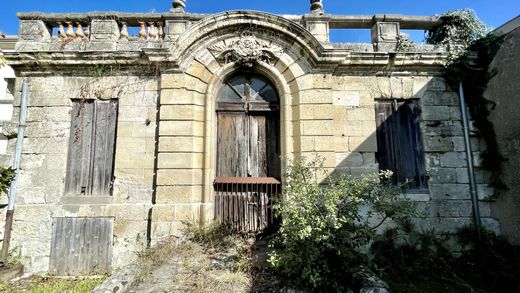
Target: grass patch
x=49, y=284
x=212, y=259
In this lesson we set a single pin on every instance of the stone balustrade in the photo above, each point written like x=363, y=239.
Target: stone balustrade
x=129, y=31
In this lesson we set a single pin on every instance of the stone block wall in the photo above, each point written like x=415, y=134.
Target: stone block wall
x=40, y=186
x=503, y=90
x=166, y=133
x=336, y=119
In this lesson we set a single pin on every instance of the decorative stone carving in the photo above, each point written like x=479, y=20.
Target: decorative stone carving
x=316, y=7
x=179, y=5
x=247, y=51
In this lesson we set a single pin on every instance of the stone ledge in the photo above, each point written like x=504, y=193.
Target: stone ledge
x=86, y=200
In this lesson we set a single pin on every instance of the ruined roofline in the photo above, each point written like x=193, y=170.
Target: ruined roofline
x=335, y=21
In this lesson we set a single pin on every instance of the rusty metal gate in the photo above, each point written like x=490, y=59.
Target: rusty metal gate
x=246, y=202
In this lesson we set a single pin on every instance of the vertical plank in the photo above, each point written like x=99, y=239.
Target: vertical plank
x=273, y=150
x=81, y=246
x=105, y=116
x=78, y=161
x=231, y=146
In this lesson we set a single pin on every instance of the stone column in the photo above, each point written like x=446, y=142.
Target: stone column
x=179, y=6
x=316, y=7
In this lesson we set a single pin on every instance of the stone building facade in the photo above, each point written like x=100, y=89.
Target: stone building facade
x=503, y=90
x=161, y=81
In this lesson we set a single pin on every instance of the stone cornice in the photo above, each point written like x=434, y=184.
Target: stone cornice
x=339, y=60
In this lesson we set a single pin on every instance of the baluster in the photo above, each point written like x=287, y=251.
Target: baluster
x=87, y=32
x=124, y=31
x=61, y=31
x=151, y=31
x=79, y=31
x=160, y=34
x=142, y=32
x=70, y=30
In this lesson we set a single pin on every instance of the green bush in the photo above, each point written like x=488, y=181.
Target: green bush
x=326, y=224
x=459, y=29
x=413, y=261
x=6, y=175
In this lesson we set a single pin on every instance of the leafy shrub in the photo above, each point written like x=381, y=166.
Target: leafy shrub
x=413, y=261
x=6, y=175
x=489, y=260
x=458, y=30
x=325, y=225
x=402, y=254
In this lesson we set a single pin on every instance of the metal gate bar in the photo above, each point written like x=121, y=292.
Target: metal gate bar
x=246, y=202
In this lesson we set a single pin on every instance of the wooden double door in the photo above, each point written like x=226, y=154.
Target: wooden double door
x=248, y=164
x=248, y=143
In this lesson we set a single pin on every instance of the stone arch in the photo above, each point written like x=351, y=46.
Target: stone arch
x=200, y=72
x=286, y=128
x=289, y=34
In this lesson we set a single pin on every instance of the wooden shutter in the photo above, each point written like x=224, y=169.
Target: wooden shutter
x=80, y=144
x=232, y=145
x=399, y=142
x=81, y=246
x=91, y=147
x=103, y=146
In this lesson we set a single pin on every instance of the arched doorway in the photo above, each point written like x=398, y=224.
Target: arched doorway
x=248, y=164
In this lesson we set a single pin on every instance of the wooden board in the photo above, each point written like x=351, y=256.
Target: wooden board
x=91, y=147
x=81, y=246
x=399, y=142
x=104, y=143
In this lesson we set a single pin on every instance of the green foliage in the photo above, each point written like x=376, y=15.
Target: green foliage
x=404, y=44
x=490, y=260
x=459, y=29
x=325, y=226
x=473, y=70
x=471, y=50
x=400, y=253
x=48, y=284
x=6, y=175
x=413, y=261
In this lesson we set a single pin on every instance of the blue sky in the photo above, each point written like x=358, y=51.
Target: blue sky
x=493, y=13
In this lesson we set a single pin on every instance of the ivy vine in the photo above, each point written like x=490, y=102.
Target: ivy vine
x=459, y=29
x=472, y=49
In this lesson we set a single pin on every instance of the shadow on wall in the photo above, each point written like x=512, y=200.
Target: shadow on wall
x=420, y=138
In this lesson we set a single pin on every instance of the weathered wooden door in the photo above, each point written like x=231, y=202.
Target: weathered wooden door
x=248, y=146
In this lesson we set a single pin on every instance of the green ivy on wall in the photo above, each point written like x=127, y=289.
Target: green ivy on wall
x=472, y=49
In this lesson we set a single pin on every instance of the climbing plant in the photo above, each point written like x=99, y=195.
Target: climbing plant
x=471, y=50
x=459, y=29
